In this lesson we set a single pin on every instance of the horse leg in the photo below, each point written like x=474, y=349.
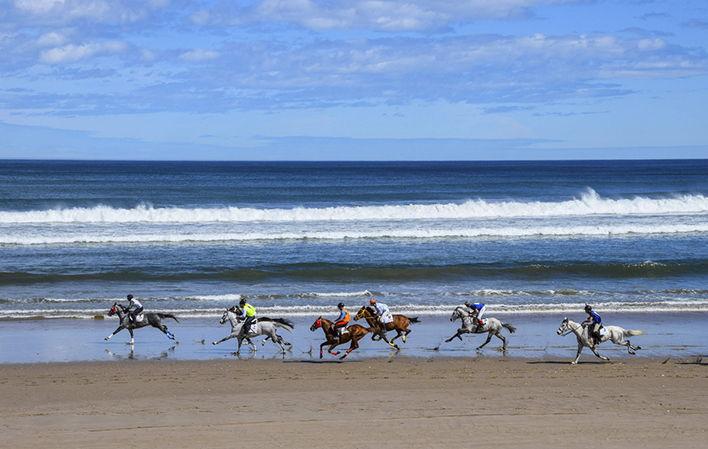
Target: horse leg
x=489, y=338
x=331, y=351
x=594, y=351
x=132, y=338
x=501, y=337
x=405, y=336
x=228, y=337
x=577, y=356
x=275, y=338
x=456, y=335
x=398, y=334
x=353, y=346
x=164, y=330
x=390, y=342
x=322, y=348
x=250, y=343
x=118, y=329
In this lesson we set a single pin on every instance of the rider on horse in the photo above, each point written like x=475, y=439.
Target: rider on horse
x=249, y=313
x=594, y=323
x=382, y=312
x=341, y=322
x=477, y=310
x=134, y=309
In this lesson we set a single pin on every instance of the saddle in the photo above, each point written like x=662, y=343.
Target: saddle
x=139, y=318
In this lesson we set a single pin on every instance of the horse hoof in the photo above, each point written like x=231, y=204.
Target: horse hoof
x=213, y=343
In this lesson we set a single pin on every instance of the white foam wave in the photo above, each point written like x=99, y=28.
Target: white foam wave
x=588, y=203
x=408, y=309
x=501, y=232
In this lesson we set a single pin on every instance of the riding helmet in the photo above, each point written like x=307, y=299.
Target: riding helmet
x=588, y=308
x=130, y=297
x=242, y=302
x=340, y=305
x=372, y=301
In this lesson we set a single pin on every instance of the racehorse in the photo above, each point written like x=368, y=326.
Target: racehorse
x=614, y=333
x=149, y=319
x=353, y=333
x=400, y=324
x=263, y=326
x=492, y=326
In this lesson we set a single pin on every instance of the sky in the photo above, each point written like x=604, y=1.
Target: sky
x=353, y=79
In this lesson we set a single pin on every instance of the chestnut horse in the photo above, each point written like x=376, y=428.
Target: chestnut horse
x=353, y=333
x=400, y=324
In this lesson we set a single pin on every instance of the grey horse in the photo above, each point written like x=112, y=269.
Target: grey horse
x=615, y=334
x=491, y=326
x=264, y=326
x=149, y=319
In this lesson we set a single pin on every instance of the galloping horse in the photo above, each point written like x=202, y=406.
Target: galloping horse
x=614, y=333
x=353, y=333
x=400, y=324
x=149, y=319
x=264, y=326
x=492, y=326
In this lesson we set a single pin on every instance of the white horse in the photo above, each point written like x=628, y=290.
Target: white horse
x=614, y=333
x=263, y=326
x=491, y=326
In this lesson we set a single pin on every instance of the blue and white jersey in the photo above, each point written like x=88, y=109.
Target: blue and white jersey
x=381, y=308
x=595, y=317
x=478, y=306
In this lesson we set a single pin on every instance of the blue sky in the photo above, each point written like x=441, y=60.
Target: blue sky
x=353, y=79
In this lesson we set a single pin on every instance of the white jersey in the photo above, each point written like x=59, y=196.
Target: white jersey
x=134, y=304
x=383, y=312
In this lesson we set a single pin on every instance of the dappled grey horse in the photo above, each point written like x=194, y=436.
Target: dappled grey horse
x=264, y=326
x=149, y=319
x=491, y=326
x=615, y=334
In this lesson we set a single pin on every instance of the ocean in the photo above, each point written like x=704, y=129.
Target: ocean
x=297, y=238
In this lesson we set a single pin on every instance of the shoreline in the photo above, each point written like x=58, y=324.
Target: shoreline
x=676, y=335
x=404, y=403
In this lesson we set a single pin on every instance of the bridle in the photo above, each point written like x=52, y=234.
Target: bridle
x=570, y=329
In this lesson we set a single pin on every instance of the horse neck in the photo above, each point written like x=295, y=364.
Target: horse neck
x=325, y=325
x=233, y=319
x=121, y=313
x=577, y=328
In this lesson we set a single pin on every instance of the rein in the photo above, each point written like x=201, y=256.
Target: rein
x=571, y=330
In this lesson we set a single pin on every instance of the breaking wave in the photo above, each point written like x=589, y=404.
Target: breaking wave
x=588, y=203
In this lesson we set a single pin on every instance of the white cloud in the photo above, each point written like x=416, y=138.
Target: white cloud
x=383, y=15
x=199, y=55
x=109, y=11
x=51, y=39
x=73, y=53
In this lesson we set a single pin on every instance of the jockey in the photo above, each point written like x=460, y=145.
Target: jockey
x=249, y=313
x=341, y=321
x=382, y=312
x=477, y=310
x=135, y=308
x=594, y=321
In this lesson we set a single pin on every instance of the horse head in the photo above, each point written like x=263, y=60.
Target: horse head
x=456, y=314
x=317, y=324
x=114, y=309
x=564, y=327
x=224, y=316
x=361, y=313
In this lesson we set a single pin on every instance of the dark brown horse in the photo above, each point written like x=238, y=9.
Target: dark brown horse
x=400, y=324
x=354, y=333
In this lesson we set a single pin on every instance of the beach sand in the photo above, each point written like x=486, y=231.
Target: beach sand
x=402, y=403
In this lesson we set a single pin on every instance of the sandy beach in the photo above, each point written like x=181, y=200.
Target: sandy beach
x=404, y=403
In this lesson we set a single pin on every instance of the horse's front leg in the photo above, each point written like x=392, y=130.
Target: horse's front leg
x=322, y=348
x=228, y=337
x=118, y=329
x=455, y=335
x=250, y=343
x=331, y=351
x=489, y=338
x=577, y=356
x=390, y=342
x=398, y=334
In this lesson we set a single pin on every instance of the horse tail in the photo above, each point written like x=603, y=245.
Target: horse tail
x=167, y=315
x=283, y=323
x=414, y=319
x=632, y=332
x=509, y=327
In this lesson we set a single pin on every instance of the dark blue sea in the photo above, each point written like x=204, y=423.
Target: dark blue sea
x=296, y=238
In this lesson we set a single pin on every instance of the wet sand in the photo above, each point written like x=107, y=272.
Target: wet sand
x=402, y=403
